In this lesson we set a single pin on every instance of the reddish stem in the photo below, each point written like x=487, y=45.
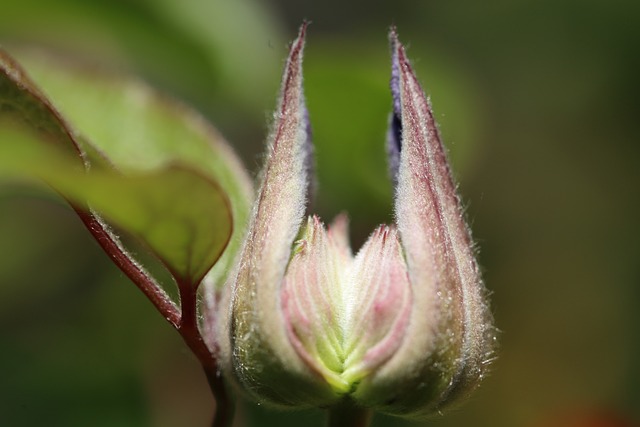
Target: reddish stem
x=149, y=287
x=185, y=319
x=346, y=414
x=190, y=332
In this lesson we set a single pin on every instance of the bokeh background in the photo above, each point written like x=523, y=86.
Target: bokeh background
x=538, y=103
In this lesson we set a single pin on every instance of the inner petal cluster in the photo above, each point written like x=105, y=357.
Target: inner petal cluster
x=345, y=315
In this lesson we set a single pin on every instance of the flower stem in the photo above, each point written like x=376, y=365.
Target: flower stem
x=347, y=414
x=184, y=320
x=225, y=405
x=190, y=331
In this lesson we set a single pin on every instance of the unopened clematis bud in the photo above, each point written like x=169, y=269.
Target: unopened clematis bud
x=403, y=326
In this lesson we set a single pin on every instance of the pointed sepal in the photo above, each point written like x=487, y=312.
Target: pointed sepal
x=256, y=348
x=450, y=337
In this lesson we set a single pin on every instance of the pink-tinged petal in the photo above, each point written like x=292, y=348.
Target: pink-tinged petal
x=377, y=305
x=338, y=233
x=346, y=317
x=450, y=335
x=311, y=300
x=258, y=350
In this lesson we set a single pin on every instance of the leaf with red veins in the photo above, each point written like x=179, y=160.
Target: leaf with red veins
x=183, y=215
x=27, y=116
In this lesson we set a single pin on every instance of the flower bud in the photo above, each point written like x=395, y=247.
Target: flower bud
x=403, y=326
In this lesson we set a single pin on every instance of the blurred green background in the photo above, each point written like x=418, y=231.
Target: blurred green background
x=538, y=103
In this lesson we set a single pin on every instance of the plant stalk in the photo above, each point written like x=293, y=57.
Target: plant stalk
x=190, y=332
x=225, y=404
x=184, y=320
x=347, y=414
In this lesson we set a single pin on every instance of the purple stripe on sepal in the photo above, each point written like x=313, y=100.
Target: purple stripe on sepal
x=394, y=133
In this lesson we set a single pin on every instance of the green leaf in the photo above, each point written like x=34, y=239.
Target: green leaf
x=172, y=171
x=139, y=130
x=181, y=215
